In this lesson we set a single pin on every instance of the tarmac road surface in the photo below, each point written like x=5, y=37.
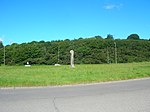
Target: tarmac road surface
x=119, y=96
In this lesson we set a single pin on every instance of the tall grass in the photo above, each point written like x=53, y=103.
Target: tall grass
x=51, y=75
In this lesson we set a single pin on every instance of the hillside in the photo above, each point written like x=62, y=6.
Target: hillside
x=94, y=50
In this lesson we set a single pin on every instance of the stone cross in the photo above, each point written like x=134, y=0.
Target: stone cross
x=72, y=59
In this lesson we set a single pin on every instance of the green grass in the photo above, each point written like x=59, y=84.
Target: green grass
x=50, y=75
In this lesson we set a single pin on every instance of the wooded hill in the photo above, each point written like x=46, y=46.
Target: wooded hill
x=95, y=50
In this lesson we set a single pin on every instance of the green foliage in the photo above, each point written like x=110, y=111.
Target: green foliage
x=98, y=37
x=95, y=50
x=133, y=36
x=1, y=44
x=109, y=36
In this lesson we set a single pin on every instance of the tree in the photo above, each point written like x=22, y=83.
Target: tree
x=109, y=36
x=1, y=44
x=89, y=50
x=133, y=37
x=100, y=37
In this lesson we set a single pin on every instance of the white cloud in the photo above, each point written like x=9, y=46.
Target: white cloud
x=112, y=6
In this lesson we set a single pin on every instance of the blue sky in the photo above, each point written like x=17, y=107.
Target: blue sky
x=35, y=20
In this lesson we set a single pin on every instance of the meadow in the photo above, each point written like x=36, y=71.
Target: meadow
x=48, y=75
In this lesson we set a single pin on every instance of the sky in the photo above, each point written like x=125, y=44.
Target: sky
x=35, y=20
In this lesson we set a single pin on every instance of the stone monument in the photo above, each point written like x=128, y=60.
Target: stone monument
x=72, y=58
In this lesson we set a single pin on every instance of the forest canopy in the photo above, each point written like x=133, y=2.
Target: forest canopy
x=94, y=50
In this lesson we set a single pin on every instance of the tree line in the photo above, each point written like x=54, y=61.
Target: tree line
x=94, y=50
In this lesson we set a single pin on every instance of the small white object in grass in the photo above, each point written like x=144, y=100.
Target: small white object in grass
x=57, y=65
x=27, y=65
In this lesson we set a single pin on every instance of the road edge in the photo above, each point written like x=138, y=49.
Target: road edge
x=75, y=85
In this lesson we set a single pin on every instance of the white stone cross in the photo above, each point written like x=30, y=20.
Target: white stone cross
x=72, y=59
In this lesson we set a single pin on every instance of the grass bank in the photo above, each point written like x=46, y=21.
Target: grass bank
x=51, y=75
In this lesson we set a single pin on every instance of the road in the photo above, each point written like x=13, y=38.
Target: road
x=119, y=96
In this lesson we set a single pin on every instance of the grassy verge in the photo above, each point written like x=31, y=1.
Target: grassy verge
x=51, y=75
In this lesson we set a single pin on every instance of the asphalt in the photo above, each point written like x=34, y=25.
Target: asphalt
x=120, y=96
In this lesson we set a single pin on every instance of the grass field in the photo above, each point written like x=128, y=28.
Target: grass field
x=50, y=75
